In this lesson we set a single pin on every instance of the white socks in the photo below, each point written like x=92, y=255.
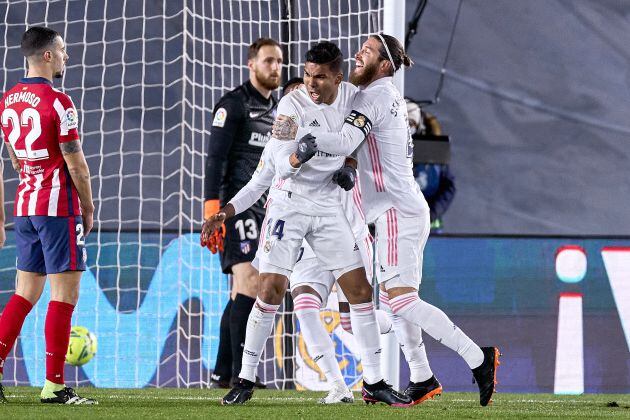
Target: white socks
x=320, y=346
x=259, y=327
x=409, y=337
x=435, y=322
x=365, y=330
x=382, y=318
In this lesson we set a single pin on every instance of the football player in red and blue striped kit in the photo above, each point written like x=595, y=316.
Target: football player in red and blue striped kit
x=53, y=205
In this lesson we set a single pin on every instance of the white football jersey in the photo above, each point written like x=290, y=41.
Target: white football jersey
x=311, y=189
x=308, y=189
x=378, y=127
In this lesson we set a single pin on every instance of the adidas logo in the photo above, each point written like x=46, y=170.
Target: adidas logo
x=356, y=247
x=314, y=123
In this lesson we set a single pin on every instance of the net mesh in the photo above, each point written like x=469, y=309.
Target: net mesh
x=145, y=76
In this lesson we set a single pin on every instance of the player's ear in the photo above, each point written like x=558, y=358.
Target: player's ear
x=250, y=63
x=339, y=78
x=47, y=55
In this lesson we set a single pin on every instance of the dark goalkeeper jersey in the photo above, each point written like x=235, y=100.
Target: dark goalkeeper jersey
x=241, y=126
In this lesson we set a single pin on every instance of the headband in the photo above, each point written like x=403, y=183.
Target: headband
x=389, y=55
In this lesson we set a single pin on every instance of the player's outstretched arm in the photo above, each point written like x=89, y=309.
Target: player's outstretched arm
x=80, y=174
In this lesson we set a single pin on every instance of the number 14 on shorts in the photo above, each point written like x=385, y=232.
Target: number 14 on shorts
x=275, y=229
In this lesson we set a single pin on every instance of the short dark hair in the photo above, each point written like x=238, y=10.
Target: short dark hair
x=326, y=52
x=292, y=81
x=258, y=44
x=36, y=39
x=399, y=57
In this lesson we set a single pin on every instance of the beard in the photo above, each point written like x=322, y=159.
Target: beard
x=369, y=71
x=267, y=82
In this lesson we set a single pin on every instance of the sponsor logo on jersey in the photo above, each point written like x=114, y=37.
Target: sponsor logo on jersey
x=360, y=121
x=72, y=119
x=314, y=123
x=255, y=114
x=259, y=139
x=219, y=118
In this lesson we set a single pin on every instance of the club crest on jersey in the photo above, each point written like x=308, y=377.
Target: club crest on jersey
x=72, y=119
x=267, y=247
x=359, y=121
x=219, y=118
x=246, y=247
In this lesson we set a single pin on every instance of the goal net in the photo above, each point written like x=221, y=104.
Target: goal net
x=144, y=76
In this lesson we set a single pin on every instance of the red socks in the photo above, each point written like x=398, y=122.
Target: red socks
x=11, y=322
x=57, y=332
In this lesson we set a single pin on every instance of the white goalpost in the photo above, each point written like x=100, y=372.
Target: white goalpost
x=145, y=76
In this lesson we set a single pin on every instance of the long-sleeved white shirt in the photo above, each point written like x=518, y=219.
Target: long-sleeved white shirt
x=378, y=127
x=308, y=189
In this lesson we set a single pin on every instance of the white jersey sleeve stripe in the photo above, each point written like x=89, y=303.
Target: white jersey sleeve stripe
x=53, y=202
x=376, y=163
x=62, y=114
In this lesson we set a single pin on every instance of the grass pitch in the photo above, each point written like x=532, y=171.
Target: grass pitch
x=277, y=405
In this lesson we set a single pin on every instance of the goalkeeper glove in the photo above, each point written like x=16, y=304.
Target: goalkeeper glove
x=345, y=177
x=212, y=237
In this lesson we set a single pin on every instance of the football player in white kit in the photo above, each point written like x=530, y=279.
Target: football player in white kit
x=304, y=203
x=311, y=285
x=377, y=128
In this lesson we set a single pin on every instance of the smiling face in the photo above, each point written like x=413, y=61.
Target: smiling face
x=368, y=63
x=321, y=82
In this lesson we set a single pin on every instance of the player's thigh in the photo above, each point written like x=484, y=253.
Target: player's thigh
x=30, y=255
x=64, y=287
x=245, y=279
x=242, y=234
x=63, y=243
x=334, y=245
x=281, y=239
x=308, y=272
x=400, y=243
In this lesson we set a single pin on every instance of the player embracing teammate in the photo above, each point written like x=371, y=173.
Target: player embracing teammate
x=53, y=205
x=377, y=132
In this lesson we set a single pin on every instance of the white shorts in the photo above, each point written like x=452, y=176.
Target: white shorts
x=400, y=244
x=330, y=237
x=308, y=270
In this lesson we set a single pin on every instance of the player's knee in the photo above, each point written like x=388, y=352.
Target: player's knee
x=66, y=296
x=362, y=293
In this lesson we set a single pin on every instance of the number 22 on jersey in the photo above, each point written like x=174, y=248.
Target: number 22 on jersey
x=30, y=118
